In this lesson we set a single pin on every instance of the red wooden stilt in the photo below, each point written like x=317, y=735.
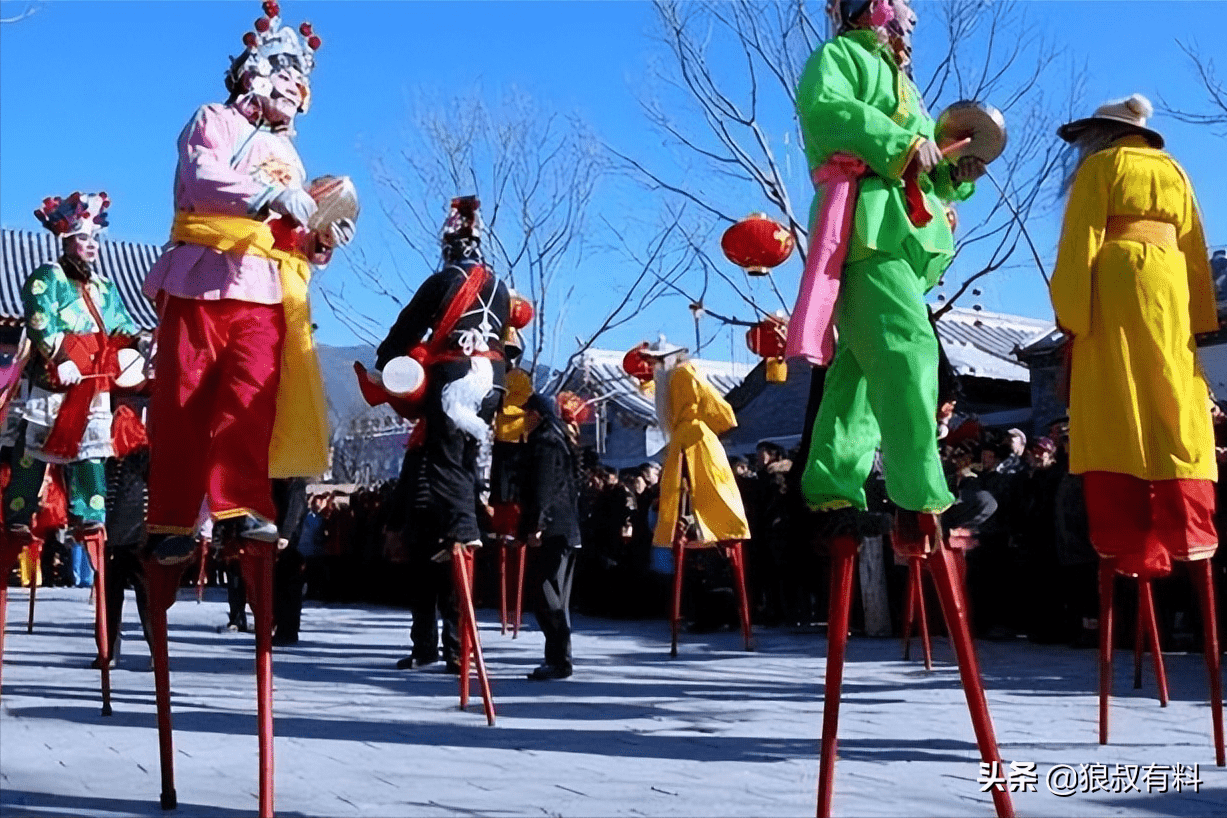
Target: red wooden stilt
x=94, y=542
x=679, y=563
x=522, y=550
x=843, y=561
x=201, y=569
x=1146, y=617
x=502, y=586
x=1106, y=580
x=10, y=552
x=1139, y=642
x=944, y=568
x=162, y=584
x=1203, y=578
x=470, y=640
x=256, y=563
x=909, y=607
x=926, y=644
x=737, y=557
x=36, y=558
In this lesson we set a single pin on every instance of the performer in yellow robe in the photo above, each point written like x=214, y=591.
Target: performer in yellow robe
x=1131, y=287
x=693, y=414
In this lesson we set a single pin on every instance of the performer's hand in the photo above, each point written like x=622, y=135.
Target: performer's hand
x=282, y=543
x=534, y=540
x=339, y=233
x=927, y=156
x=968, y=169
x=295, y=203
x=68, y=373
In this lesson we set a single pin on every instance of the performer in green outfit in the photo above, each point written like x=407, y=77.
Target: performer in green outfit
x=856, y=101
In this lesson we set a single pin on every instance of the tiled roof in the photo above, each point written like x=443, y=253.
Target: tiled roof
x=123, y=262
x=982, y=344
x=598, y=373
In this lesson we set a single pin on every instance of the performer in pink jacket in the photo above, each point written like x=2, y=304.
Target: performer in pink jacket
x=236, y=373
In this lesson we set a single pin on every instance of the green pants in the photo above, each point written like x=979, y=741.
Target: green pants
x=881, y=389
x=84, y=480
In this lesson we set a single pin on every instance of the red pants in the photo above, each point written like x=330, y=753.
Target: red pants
x=212, y=410
x=1145, y=524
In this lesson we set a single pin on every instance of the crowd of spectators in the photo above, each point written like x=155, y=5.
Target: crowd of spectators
x=1032, y=572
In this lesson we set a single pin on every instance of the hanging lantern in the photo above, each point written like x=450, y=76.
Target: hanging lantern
x=637, y=366
x=520, y=311
x=572, y=408
x=766, y=339
x=757, y=243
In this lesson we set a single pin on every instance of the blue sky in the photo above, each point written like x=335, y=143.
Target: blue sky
x=93, y=95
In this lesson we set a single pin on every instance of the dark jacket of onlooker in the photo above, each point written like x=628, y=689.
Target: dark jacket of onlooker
x=549, y=488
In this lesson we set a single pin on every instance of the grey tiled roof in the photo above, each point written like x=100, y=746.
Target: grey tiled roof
x=982, y=344
x=123, y=262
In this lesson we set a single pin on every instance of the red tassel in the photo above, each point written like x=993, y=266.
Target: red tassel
x=127, y=432
x=917, y=211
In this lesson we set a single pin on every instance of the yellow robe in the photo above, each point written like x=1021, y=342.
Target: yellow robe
x=697, y=414
x=1138, y=400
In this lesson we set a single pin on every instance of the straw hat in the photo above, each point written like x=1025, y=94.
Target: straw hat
x=1133, y=111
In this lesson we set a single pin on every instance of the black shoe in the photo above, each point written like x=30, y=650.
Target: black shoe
x=841, y=522
x=415, y=662
x=452, y=666
x=547, y=671
x=170, y=549
x=248, y=527
x=283, y=639
x=97, y=663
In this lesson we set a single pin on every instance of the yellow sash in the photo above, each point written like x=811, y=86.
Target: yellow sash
x=300, y=431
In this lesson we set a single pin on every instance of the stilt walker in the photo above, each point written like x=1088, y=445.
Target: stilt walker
x=1133, y=264
x=238, y=395
x=77, y=325
x=700, y=504
x=879, y=242
x=443, y=364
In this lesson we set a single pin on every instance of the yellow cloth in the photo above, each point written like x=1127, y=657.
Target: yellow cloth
x=697, y=414
x=511, y=422
x=1139, y=404
x=300, y=432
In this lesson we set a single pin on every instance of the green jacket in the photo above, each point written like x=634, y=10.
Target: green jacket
x=853, y=99
x=54, y=307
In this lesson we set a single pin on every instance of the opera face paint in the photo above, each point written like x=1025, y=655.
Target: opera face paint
x=82, y=245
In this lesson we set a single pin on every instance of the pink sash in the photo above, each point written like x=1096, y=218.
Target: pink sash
x=811, y=329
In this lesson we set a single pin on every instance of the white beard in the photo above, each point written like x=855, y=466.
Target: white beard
x=660, y=381
x=462, y=398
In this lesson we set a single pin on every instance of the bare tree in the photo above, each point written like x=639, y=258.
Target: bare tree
x=1215, y=114
x=728, y=107
x=29, y=10
x=535, y=172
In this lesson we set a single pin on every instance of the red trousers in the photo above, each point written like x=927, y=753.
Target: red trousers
x=1145, y=524
x=212, y=410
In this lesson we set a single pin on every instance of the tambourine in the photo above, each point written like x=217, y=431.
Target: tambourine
x=978, y=125
x=336, y=198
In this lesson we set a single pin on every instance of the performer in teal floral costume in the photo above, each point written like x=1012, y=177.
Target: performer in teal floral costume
x=76, y=324
x=857, y=104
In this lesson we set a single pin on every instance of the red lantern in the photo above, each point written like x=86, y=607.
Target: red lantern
x=766, y=339
x=637, y=366
x=757, y=244
x=572, y=408
x=520, y=312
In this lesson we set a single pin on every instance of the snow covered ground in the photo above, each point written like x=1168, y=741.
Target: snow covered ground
x=715, y=732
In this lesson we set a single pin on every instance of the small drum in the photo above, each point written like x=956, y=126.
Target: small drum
x=335, y=198
x=405, y=378
x=980, y=123
x=131, y=369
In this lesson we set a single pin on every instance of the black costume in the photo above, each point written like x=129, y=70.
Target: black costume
x=549, y=496
x=466, y=375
